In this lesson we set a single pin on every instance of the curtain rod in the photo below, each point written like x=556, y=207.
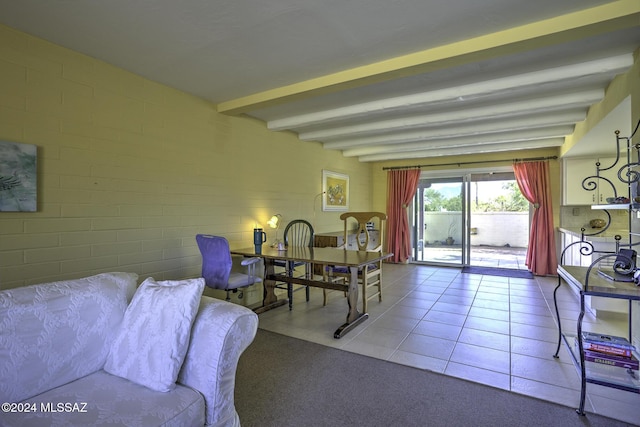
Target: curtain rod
x=528, y=159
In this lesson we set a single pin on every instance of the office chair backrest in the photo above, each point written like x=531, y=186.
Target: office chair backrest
x=298, y=232
x=216, y=260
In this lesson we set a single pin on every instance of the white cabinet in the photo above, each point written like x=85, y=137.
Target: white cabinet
x=374, y=240
x=622, y=188
x=599, y=250
x=574, y=172
x=336, y=240
x=574, y=257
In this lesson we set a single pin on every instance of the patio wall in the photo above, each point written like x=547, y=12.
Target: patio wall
x=493, y=228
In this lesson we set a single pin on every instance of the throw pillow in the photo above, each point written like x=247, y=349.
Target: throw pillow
x=153, y=337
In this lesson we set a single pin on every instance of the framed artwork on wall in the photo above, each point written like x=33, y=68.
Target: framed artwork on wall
x=335, y=187
x=18, y=181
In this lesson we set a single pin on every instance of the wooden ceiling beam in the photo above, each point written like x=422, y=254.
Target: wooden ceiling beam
x=565, y=28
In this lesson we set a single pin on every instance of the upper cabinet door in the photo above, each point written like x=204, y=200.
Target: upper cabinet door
x=621, y=188
x=575, y=170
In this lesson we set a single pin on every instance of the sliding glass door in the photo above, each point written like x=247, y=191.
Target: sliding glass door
x=477, y=218
x=439, y=221
x=499, y=217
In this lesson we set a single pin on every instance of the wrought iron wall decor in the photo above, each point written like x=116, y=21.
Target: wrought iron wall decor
x=627, y=173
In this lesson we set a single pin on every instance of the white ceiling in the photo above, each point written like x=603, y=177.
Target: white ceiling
x=376, y=79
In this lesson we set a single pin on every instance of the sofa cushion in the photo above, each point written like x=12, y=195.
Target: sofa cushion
x=111, y=401
x=54, y=333
x=152, y=340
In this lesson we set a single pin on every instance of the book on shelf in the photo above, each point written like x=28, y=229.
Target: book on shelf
x=608, y=359
x=611, y=360
x=610, y=344
x=605, y=349
x=611, y=340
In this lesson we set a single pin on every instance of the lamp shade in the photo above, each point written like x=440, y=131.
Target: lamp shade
x=273, y=222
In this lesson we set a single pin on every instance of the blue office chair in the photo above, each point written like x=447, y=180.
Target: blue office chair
x=217, y=263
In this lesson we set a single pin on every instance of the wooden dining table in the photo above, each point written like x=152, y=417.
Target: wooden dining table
x=354, y=260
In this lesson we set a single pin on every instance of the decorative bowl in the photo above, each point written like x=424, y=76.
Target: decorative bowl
x=597, y=223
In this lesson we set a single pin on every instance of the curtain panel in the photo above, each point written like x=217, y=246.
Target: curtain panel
x=533, y=181
x=401, y=187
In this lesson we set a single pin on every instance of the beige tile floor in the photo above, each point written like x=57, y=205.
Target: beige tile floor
x=498, y=331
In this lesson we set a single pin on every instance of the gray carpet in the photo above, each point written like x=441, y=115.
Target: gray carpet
x=283, y=381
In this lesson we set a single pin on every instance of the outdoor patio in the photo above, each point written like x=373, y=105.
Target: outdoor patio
x=481, y=256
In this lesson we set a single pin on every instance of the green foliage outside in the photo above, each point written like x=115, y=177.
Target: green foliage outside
x=512, y=201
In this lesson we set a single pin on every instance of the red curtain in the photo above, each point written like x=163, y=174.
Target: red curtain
x=401, y=187
x=533, y=180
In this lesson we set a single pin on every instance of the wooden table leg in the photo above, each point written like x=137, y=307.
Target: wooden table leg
x=354, y=317
x=269, y=298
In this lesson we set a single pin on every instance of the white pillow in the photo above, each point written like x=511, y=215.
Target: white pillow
x=153, y=338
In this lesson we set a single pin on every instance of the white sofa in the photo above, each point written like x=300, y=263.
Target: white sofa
x=55, y=339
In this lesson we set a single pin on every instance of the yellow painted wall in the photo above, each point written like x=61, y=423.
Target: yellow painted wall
x=130, y=170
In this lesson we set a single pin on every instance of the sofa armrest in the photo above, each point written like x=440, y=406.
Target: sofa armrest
x=221, y=332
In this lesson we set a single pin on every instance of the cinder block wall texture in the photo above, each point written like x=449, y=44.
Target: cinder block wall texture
x=129, y=170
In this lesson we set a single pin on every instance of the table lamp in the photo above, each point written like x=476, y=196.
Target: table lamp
x=274, y=222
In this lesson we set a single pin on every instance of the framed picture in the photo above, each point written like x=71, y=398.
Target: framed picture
x=18, y=190
x=335, y=187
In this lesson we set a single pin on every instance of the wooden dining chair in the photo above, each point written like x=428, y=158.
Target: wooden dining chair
x=298, y=232
x=367, y=237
